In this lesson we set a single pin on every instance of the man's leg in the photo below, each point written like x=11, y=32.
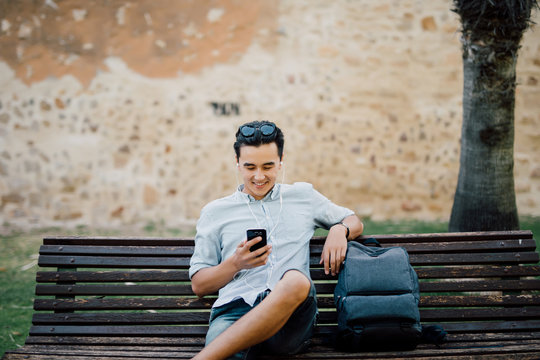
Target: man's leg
x=295, y=335
x=224, y=316
x=263, y=321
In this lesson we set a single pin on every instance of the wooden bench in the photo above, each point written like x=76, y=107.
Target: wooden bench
x=130, y=298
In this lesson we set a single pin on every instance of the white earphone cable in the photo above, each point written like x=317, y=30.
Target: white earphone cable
x=243, y=276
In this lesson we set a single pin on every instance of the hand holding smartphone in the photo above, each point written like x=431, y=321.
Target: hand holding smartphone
x=253, y=233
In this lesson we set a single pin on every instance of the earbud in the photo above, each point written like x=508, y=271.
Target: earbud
x=281, y=163
x=237, y=164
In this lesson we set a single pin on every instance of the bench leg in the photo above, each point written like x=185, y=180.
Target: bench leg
x=263, y=321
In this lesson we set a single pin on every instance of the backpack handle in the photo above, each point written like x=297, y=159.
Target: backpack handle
x=371, y=242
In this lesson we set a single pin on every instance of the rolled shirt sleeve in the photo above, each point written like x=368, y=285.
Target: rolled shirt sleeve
x=207, y=251
x=325, y=212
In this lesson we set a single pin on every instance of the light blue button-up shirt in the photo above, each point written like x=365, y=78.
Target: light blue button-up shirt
x=289, y=213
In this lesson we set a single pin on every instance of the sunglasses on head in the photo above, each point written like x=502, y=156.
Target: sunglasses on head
x=265, y=129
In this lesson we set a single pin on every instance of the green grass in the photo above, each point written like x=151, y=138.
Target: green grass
x=18, y=254
x=533, y=224
x=18, y=265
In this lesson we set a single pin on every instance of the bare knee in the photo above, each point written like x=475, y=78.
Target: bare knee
x=295, y=286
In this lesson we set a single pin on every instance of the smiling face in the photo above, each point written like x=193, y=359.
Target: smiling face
x=259, y=167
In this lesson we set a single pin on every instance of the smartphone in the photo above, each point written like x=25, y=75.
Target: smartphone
x=253, y=233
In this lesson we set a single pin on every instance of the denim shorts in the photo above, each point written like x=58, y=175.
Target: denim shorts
x=294, y=336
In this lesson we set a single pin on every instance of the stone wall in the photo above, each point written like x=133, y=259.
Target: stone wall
x=119, y=113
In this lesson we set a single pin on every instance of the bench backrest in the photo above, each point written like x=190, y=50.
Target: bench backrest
x=126, y=288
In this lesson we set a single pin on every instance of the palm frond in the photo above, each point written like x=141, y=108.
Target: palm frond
x=500, y=16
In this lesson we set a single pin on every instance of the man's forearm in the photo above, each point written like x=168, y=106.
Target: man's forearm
x=356, y=227
x=209, y=280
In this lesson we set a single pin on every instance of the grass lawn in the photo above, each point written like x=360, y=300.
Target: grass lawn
x=18, y=266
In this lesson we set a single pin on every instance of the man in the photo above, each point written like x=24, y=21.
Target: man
x=266, y=297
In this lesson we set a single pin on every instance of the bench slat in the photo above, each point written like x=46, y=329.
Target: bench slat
x=455, y=286
x=74, y=290
x=169, y=251
x=112, y=276
x=119, y=340
x=113, y=262
x=322, y=288
x=70, y=356
x=160, y=352
x=155, y=346
x=443, y=301
x=465, y=327
x=322, y=330
x=452, y=272
x=412, y=248
x=180, y=330
x=395, y=238
x=480, y=258
x=439, y=315
x=475, y=341
x=117, y=352
x=490, y=351
x=457, y=272
x=481, y=337
x=323, y=302
x=498, y=336
x=454, y=237
x=123, y=304
x=485, y=326
x=316, y=274
x=472, y=301
x=176, y=318
x=176, y=263
x=117, y=241
x=480, y=285
x=443, y=315
x=468, y=246
x=440, y=237
x=457, y=247
x=464, y=259
x=64, y=352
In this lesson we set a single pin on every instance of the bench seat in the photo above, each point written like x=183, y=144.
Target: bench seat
x=130, y=298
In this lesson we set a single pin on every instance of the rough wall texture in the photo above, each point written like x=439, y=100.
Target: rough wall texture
x=117, y=113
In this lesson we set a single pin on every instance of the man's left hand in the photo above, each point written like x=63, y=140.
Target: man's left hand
x=334, y=251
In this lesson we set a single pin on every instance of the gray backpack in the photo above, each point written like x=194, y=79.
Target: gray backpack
x=377, y=297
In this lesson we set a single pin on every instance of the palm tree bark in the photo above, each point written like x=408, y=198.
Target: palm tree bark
x=492, y=30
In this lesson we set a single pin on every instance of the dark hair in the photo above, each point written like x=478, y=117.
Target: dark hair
x=258, y=138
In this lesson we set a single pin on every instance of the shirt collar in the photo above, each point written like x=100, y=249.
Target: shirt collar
x=272, y=194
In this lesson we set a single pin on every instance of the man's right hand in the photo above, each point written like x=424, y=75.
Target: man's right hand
x=245, y=259
x=209, y=280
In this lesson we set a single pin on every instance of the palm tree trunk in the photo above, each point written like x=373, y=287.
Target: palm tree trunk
x=485, y=197
x=491, y=32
